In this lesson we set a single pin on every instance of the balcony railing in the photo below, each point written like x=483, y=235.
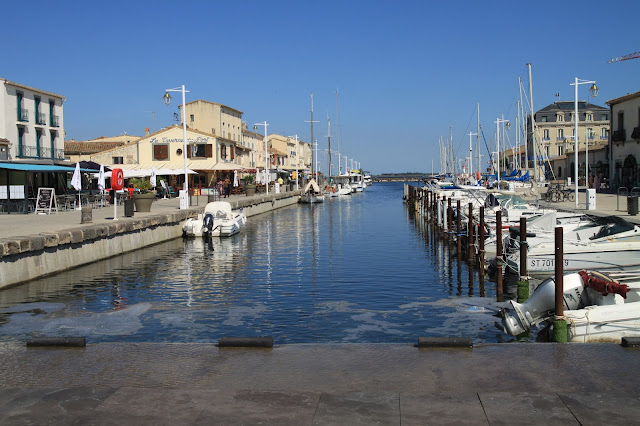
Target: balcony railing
x=27, y=151
x=619, y=136
x=23, y=115
x=41, y=118
x=55, y=121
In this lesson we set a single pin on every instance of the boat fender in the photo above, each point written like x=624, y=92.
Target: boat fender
x=603, y=285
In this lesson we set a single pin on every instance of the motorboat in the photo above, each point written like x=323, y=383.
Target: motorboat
x=218, y=220
x=598, y=307
x=311, y=193
x=607, y=243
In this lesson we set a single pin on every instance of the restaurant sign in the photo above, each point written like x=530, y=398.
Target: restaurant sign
x=198, y=140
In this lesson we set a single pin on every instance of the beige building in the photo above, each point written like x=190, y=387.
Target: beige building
x=624, y=145
x=31, y=124
x=75, y=151
x=555, y=128
x=208, y=156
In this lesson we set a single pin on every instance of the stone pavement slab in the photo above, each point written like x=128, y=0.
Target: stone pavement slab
x=523, y=408
x=452, y=409
x=358, y=408
x=611, y=409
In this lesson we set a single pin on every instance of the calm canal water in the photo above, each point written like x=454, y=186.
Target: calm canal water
x=354, y=269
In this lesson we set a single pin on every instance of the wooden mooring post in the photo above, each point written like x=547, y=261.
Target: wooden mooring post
x=499, y=290
x=559, y=321
x=470, y=233
x=523, y=282
x=458, y=233
x=481, y=250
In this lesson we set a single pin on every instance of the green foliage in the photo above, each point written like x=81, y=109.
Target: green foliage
x=248, y=179
x=141, y=184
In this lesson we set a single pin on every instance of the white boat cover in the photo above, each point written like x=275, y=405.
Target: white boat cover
x=219, y=210
x=312, y=183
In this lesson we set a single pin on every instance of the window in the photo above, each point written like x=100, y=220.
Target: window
x=560, y=117
x=605, y=117
x=545, y=134
x=223, y=151
x=559, y=172
x=620, y=121
x=543, y=119
x=117, y=160
x=560, y=150
x=192, y=117
x=589, y=117
x=560, y=134
x=604, y=133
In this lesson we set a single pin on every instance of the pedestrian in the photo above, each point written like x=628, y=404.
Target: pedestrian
x=219, y=186
x=227, y=187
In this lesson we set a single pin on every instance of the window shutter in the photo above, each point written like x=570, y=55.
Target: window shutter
x=160, y=152
x=208, y=150
x=188, y=151
x=232, y=152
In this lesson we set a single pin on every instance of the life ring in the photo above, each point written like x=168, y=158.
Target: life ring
x=117, y=179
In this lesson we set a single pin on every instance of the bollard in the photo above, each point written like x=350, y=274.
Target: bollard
x=245, y=342
x=86, y=216
x=499, y=254
x=458, y=229
x=523, y=282
x=67, y=342
x=559, y=321
x=470, y=233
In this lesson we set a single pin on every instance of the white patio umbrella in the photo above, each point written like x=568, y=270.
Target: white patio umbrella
x=153, y=177
x=235, y=178
x=76, y=182
x=101, y=179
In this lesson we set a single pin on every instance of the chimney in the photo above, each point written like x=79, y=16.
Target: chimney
x=146, y=131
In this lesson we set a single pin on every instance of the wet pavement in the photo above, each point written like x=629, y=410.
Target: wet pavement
x=320, y=384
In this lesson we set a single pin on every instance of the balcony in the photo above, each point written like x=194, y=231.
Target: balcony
x=636, y=133
x=55, y=121
x=41, y=119
x=619, y=136
x=23, y=114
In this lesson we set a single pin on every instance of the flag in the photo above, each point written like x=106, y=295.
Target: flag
x=101, y=182
x=153, y=177
x=76, y=180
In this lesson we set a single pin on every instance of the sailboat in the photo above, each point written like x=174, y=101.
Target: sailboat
x=311, y=193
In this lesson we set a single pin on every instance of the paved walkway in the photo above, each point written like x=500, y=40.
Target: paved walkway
x=121, y=384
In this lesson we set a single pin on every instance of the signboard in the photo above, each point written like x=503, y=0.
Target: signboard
x=46, y=201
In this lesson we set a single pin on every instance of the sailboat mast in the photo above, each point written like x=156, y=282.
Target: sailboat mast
x=329, y=144
x=478, y=142
x=533, y=127
x=338, y=129
x=312, y=141
x=524, y=127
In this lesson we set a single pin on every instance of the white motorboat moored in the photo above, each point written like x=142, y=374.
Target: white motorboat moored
x=218, y=220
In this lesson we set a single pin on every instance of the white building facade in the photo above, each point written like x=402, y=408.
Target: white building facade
x=31, y=124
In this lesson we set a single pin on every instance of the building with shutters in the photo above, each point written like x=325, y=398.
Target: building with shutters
x=31, y=124
x=624, y=144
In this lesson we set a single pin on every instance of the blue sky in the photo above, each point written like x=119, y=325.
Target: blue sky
x=406, y=70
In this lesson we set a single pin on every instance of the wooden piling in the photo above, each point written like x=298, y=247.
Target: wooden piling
x=499, y=253
x=559, y=322
x=470, y=233
x=449, y=220
x=458, y=229
x=481, y=241
x=523, y=282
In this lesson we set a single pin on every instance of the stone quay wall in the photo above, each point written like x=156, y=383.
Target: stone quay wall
x=34, y=256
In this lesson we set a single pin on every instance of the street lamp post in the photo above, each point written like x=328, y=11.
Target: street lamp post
x=498, y=122
x=594, y=92
x=167, y=101
x=266, y=156
x=297, y=161
x=587, y=135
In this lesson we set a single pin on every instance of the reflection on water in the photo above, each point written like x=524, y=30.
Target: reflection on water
x=359, y=268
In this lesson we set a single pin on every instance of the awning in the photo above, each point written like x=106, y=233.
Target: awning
x=40, y=168
x=289, y=168
x=147, y=172
x=227, y=166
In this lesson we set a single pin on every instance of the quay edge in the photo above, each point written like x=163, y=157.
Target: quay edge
x=25, y=258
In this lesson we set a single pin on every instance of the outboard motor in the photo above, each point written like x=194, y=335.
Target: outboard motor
x=522, y=316
x=207, y=224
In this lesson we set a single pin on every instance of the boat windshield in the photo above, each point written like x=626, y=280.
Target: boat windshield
x=613, y=227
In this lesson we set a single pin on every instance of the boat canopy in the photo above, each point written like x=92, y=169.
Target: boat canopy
x=312, y=184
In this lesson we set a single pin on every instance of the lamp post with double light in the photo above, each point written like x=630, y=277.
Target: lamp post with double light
x=266, y=156
x=594, y=92
x=167, y=101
